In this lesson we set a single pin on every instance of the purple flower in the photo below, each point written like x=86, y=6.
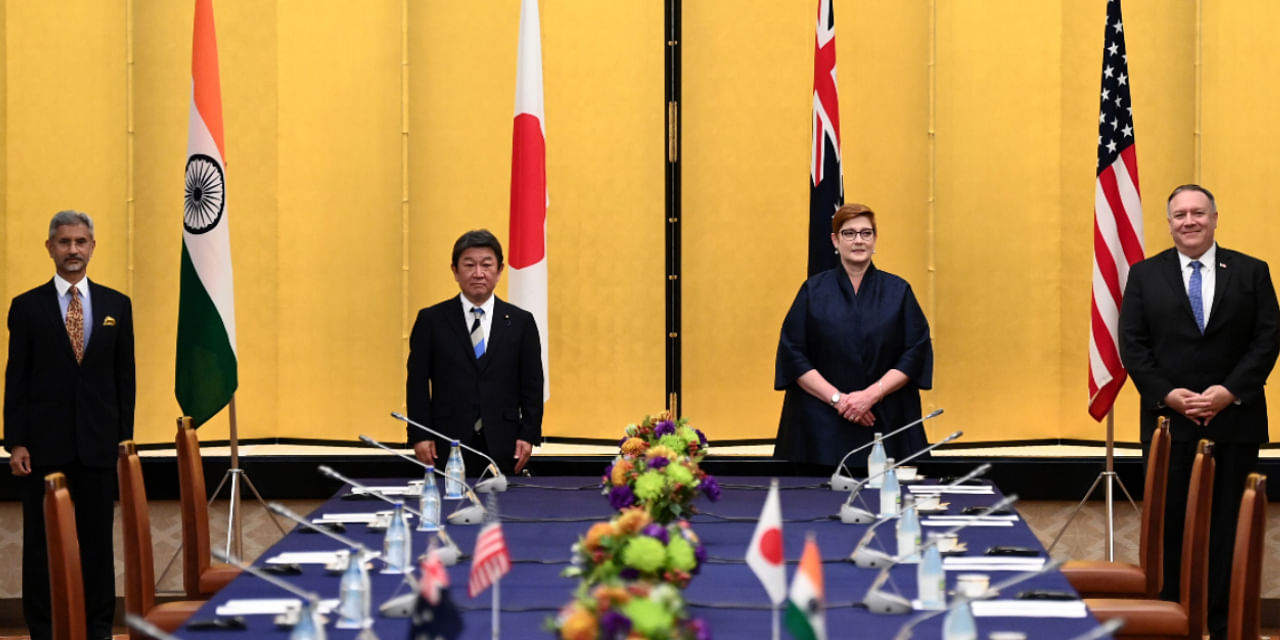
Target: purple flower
x=702, y=437
x=666, y=427
x=624, y=439
x=658, y=462
x=608, y=471
x=621, y=497
x=700, y=554
x=629, y=574
x=655, y=530
x=700, y=629
x=711, y=488
x=614, y=624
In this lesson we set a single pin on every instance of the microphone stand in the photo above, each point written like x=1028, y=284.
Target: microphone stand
x=868, y=558
x=845, y=483
x=850, y=514
x=878, y=601
x=496, y=484
x=905, y=632
x=473, y=514
x=449, y=553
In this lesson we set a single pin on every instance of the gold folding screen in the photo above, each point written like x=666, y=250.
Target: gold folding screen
x=364, y=137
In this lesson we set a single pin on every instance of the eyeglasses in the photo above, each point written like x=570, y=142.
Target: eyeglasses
x=850, y=234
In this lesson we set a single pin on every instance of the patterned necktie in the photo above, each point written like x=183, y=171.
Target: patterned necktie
x=75, y=324
x=1193, y=292
x=477, y=332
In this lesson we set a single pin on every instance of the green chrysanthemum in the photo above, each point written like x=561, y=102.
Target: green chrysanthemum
x=649, y=618
x=651, y=485
x=678, y=474
x=644, y=554
x=688, y=435
x=674, y=442
x=680, y=555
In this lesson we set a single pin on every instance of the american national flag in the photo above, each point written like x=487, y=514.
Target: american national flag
x=490, y=560
x=826, y=181
x=1117, y=218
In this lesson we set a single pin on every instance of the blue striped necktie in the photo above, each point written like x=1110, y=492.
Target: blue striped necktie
x=1193, y=292
x=477, y=332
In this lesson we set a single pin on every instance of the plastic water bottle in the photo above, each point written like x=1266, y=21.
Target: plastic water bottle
x=890, y=492
x=430, y=504
x=353, y=594
x=931, y=580
x=875, y=463
x=307, y=627
x=396, y=550
x=909, y=532
x=454, y=471
x=959, y=623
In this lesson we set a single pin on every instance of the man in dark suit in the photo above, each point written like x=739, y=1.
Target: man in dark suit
x=68, y=400
x=1198, y=333
x=475, y=366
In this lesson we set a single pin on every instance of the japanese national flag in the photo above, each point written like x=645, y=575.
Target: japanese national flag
x=764, y=556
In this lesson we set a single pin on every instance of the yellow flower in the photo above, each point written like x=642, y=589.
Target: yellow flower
x=660, y=450
x=634, y=446
x=632, y=520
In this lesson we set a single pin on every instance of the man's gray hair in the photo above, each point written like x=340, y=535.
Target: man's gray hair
x=70, y=217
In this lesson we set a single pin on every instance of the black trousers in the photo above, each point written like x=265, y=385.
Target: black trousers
x=93, y=491
x=1233, y=464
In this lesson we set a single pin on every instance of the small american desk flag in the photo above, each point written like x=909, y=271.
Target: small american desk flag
x=491, y=560
x=1117, y=218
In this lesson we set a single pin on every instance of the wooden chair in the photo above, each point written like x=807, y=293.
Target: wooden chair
x=139, y=564
x=1102, y=579
x=1184, y=619
x=65, y=589
x=1244, y=611
x=200, y=577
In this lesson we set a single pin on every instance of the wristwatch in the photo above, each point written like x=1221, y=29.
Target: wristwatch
x=835, y=398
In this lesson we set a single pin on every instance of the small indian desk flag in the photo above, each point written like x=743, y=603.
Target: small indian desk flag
x=805, y=617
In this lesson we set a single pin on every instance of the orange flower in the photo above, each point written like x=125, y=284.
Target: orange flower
x=578, y=624
x=634, y=446
x=632, y=519
x=598, y=531
x=620, y=471
x=661, y=450
x=607, y=597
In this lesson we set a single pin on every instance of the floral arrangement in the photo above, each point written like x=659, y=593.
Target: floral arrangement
x=657, y=468
x=636, y=610
x=631, y=546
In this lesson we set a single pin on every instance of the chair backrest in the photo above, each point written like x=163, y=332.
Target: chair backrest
x=65, y=589
x=135, y=517
x=1151, y=542
x=195, y=509
x=1195, y=540
x=1244, y=613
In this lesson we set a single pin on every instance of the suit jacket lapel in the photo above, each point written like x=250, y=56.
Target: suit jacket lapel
x=1222, y=279
x=497, y=329
x=52, y=311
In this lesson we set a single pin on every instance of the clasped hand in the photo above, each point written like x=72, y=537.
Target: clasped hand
x=1201, y=407
x=856, y=406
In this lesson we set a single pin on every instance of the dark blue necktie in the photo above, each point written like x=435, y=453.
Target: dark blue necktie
x=1193, y=292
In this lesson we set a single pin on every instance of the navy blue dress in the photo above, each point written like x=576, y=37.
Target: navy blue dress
x=852, y=340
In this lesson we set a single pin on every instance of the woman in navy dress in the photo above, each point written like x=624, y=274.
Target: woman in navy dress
x=853, y=355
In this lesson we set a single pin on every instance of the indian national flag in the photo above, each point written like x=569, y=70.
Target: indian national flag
x=805, y=618
x=206, y=364
x=527, y=282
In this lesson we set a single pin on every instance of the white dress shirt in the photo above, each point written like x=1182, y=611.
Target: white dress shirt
x=64, y=299
x=1208, y=268
x=486, y=321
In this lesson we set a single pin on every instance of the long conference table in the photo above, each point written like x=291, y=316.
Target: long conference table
x=543, y=517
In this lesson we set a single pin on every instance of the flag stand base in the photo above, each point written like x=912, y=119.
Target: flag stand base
x=1111, y=479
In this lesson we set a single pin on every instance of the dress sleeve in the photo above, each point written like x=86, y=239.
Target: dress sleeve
x=793, y=357
x=917, y=356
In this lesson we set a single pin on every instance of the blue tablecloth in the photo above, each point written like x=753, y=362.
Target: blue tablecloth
x=543, y=517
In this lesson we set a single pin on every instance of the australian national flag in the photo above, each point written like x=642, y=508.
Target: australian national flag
x=435, y=617
x=826, y=181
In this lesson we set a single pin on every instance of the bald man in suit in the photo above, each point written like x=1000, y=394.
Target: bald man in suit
x=68, y=401
x=1199, y=336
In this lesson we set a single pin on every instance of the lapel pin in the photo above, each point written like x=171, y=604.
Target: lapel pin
x=1222, y=265
x=108, y=322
